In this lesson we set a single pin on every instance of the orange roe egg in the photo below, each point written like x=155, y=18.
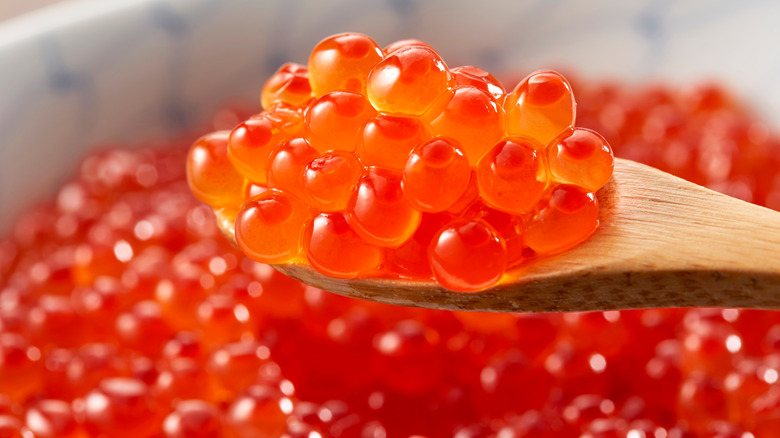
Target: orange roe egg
x=79, y=371
x=400, y=44
x=20, y=367
x=470, y=116
x=286, y=118
x=221, y=318
x=50, y=318
x=330, y=179
x=511, y=177
x=540, y=107
x=342, y=62
x=250, y=146
x=408, y=81
x=181, y=378
x=436, y=175
x=285, y=171
x=476, y=77
x=334, y=121
x=290, y=85
x=96, y=303
x=410, y=342
x=235, y=366
x=467, y=256
x=333, y=248
x=411, y=259
x=210, y=174
x=52, y=419
x=259, y=412
x=510, y=228
x=143, y=328
x=121, y=408
x=269, y=227
x=378, y=211
x=193, y=419
x=570, y=215
x=469, y=197
x=11, y=427
x=179, y=298
x=388, y=140
x=581, y=157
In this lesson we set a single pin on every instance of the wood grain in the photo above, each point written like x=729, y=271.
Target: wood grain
x=662, y=242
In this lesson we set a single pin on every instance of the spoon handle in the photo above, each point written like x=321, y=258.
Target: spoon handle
x=662, y=242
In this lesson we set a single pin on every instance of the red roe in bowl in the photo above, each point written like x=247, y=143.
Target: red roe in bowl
x=120, y=407
x=123, y=312
x=193, y=419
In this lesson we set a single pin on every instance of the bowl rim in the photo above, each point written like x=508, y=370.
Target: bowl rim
x=58, y=16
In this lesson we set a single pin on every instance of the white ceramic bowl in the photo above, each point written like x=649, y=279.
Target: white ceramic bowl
x=87, y=71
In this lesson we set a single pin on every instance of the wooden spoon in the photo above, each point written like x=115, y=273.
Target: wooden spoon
x=662, y=242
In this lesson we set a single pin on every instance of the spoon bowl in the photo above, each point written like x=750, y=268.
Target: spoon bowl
x=662, y=242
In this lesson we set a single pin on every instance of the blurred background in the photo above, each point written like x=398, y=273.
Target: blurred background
x=10, y=8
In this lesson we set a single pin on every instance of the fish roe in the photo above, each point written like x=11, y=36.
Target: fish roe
x=334, y=121
x=512, y=176
x=269, y=227
x=330, y=178
x=540, y=107
x=289, y=85
x=439, y=159
x=342, y=63
x=383, y=138
x=123, y=312
x=378, y=211
x=467, y=256
x=408, y=81
x=286, y=165
x=388, y=140
x=470, y=116
x=210, y=175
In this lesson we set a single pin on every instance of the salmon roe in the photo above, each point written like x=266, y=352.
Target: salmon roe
x=384, y=138
x=124, y=313
x=289, y=85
